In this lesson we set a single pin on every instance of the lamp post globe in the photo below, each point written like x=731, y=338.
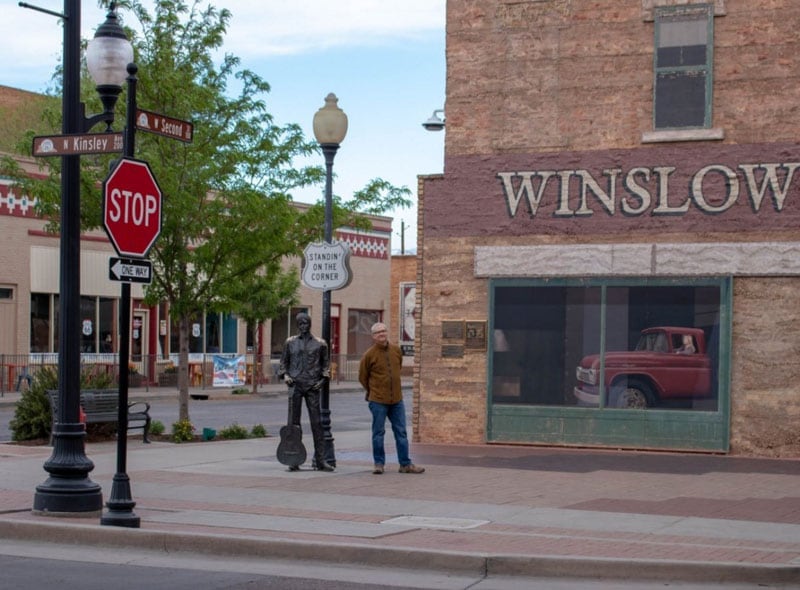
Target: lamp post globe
x=107, y=57
x=330, y=128
x=330, y=122
x=68, y=489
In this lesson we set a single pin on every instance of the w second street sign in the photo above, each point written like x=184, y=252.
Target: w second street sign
x=326, y=267
x=130, y=270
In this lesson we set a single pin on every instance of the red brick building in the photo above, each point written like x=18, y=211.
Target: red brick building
x=613, y=166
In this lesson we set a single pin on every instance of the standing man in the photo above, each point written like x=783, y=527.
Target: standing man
x=305, y=364
x=379, y=374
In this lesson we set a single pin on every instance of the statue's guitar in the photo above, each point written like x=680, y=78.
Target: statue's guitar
x=291, y=450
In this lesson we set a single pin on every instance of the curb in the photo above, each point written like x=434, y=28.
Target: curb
x=168, y=542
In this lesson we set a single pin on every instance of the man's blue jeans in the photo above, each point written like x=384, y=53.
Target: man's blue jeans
x=396, y=413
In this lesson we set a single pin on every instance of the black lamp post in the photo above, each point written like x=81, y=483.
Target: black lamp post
x=68, y=489
x=330, y=127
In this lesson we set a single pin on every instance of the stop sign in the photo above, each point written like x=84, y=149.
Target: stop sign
x=132, y=208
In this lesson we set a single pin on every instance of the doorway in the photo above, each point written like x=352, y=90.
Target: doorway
x=139, y=336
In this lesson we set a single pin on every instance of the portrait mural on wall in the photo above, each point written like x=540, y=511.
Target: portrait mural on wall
x=408, y=302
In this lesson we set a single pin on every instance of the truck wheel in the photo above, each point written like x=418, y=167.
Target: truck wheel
x=633, y=395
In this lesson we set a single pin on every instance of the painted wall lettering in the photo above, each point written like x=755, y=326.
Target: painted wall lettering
x=697, y=188
x=712, y=189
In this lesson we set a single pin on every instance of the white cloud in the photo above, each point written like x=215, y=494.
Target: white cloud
x=261, y=29
x=32, y=40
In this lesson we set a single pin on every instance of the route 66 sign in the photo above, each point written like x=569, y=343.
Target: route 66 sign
x=326, y=266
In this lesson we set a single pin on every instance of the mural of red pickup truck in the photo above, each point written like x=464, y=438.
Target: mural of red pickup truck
x=669, y=365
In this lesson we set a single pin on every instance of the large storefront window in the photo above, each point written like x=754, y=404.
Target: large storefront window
x=107, y=313
x=359, y=334
x=88, y=324
x=283, y=327
x=221, y=332
x=195, y=335
x=628, y=363
x=40, y=322
x=98, y=333
x=607, y=344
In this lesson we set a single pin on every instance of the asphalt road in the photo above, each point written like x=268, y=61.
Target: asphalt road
x=348, y=412
x=32, y=566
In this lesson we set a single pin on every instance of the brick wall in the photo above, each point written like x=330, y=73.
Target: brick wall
x=558, y=84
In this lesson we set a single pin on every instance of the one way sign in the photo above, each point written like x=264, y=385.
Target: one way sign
x=129, y=270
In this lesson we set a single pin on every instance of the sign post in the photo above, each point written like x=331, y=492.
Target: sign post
x=131, y=202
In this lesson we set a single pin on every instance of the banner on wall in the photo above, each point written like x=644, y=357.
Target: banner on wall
x=229, y=372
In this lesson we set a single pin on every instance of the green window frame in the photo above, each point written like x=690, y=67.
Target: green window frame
x=683, y=67
x=568, y=318
x=542, y=330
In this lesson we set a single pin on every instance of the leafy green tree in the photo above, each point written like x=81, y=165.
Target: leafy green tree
x=263, y=296
x=228, y=215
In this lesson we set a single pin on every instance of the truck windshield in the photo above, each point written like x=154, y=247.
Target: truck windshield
x=655, y=342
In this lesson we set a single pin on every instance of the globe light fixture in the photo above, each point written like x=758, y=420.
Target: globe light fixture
x=107, y=57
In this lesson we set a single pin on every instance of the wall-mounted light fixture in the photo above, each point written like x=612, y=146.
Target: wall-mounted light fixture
x=435, y=122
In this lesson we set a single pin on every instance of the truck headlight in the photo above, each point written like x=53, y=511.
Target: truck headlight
x=586, y=375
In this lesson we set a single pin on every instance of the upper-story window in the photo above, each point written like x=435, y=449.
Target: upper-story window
x=684, y=53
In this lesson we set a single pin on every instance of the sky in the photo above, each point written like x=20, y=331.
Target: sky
x=384, y=60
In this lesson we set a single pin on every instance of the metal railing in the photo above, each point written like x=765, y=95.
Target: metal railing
x=17, y=370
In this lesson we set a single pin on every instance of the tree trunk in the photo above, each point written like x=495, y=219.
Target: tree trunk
x=183, y=368
x=256, y=355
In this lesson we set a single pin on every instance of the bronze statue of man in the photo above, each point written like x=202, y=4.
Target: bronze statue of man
x=305, y=364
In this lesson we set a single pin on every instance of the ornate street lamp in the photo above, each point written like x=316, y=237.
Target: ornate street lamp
x=330, y=127
x=68, y=489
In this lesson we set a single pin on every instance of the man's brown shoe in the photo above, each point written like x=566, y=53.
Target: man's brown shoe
x=411, y=468
x=378, y=469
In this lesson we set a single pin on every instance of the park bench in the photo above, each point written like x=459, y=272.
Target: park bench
x=101, y=406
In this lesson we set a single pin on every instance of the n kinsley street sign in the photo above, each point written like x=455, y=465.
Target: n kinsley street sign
x=77, y=144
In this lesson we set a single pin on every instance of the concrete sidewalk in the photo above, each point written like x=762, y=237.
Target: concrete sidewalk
x=478, y=510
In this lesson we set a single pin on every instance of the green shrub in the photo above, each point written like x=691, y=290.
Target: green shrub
x=240, y=391
x=258, y=431
x=234, y=431
x=182, y=431
x=157, y=427
x=32, y=416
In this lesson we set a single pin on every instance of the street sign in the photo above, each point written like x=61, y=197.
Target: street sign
x=131, y=208
x=129, y=270
x=326, y=267
x=161, y=125
x=77, y=144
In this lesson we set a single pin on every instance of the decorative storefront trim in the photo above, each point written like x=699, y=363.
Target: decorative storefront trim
x=14, y=204
x=365, y=245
